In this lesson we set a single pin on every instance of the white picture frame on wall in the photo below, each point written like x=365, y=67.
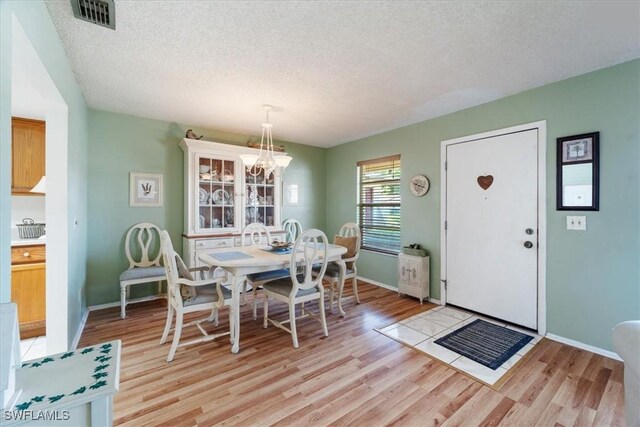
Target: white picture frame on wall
x=290, y=194
x=145, y=190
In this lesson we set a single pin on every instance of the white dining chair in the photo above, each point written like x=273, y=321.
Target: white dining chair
x=302, y=285
x=292, y=228
x=143, y=269
x=349, y=236
x=256, y=234
x=186, y=295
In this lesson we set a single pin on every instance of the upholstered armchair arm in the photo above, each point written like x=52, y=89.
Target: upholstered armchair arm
x=626, y=340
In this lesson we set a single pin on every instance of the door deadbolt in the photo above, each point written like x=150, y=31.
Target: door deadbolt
x=529, y=231
x=528, y=244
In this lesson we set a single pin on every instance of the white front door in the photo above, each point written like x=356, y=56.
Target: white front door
x=492, y=226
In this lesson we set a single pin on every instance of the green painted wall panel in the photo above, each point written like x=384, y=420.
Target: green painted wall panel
x=121, y=144
x=593, y=277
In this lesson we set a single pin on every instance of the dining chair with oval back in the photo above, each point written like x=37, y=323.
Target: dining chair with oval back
x=302, y=285
x=141, y=246
x=292, y=228
x=186, y=295
x=349, y=236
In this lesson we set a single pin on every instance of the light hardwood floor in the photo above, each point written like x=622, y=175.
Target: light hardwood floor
x=356, y=376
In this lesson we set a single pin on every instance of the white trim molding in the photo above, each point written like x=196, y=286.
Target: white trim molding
x=380, y=284
x=83, y=322
x=392, y=288
x=583, y=346
x=541, y=127
x=131, y=301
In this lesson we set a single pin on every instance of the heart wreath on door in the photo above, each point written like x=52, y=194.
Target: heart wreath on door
x=485, y=181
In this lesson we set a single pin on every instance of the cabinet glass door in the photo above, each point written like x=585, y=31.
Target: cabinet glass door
x=216, y=181
x=259, y=198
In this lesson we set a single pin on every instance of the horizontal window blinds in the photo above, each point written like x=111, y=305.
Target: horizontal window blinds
x=379, y=204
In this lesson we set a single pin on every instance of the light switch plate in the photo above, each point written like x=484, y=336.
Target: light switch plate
x=577, y=223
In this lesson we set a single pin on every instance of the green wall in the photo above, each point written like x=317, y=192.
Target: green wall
x=36, y=22
x=121, y=144
x=593, y=277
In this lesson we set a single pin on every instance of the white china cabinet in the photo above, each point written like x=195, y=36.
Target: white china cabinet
x=221, y=197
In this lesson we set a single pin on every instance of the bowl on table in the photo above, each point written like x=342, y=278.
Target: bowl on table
x=279, y=246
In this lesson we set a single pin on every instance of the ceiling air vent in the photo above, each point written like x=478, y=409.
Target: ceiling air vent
x=101, y=12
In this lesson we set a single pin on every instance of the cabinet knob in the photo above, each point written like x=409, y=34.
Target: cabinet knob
x=26, y=254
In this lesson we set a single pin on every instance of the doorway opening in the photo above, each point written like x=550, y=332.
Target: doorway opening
x=31, y=78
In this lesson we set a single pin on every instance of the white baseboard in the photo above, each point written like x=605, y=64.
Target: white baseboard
x=380, y=284
x=85, y=316
x=117, y=303
x=583, y=346
x=83, y=322
x=391, y=288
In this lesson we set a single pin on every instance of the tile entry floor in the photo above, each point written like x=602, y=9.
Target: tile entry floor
x=420, y=332
x=33, y=348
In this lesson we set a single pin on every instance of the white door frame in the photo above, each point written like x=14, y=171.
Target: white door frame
x=25, y=60
x=541, y=126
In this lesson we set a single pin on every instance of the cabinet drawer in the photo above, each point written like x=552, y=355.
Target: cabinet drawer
x=214, y=243
x=27, y=254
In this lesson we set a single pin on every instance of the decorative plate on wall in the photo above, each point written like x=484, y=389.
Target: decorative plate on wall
x=419, y=185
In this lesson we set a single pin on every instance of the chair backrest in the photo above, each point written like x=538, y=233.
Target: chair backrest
x=293, y=229
x=351, y=229
x=312, y=245
x=254, y=231
x=141, y=237
x=170, y=266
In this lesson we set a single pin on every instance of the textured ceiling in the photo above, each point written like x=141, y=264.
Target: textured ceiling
x=336, y=71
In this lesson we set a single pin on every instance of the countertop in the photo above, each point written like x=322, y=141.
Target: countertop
x=25, y=242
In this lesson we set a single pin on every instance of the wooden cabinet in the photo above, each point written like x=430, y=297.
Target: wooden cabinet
x=221, y=197
x=27, y=154
x=413, y=276
x=28, y=291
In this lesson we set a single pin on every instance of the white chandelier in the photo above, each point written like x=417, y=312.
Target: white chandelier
x=266, y=160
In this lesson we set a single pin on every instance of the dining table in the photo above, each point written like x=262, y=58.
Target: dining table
x=241, y=261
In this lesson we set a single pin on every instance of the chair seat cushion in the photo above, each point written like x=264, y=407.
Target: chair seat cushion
x=206, y=294
x=154, y=272
x=269, y=275
x=283, y=286
x=333, y=270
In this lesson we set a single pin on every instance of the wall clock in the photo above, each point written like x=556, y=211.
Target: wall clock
x=419, y=185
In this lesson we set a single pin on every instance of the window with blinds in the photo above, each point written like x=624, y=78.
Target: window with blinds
x=379, y=204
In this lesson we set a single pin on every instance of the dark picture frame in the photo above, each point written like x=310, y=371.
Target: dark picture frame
x=578, y=156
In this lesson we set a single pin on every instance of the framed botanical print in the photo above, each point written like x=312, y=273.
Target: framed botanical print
x=145, y=190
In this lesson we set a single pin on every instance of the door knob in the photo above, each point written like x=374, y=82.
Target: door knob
x=529, y=231
x=528, y=244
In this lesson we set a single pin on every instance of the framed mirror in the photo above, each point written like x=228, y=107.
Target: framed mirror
x=577, y=176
